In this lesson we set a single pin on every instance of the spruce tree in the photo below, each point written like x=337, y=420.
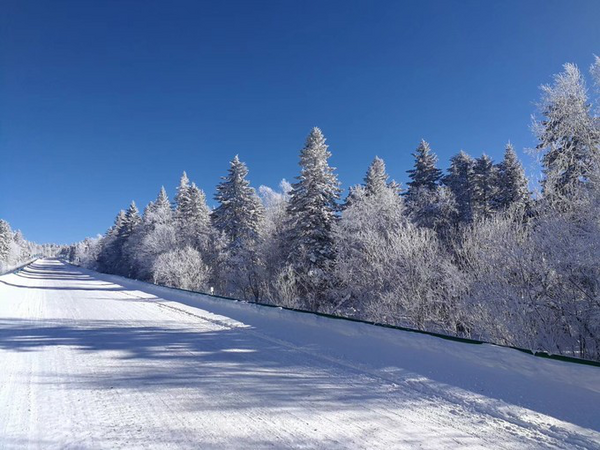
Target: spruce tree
x=376, y=179
x=483, y=187
x=425, y=174
x=240, y=213
x=458, y=180
x=312, y=211
x=197, y=220
x=182, y=201
x=512, y=182
x=5, y=240
x=110, y=253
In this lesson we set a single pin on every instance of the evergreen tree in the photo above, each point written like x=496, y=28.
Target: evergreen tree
x=122, y=247
x=240, y=220
x=161, y=208
x=512, y=188
x=458, y=180
x=240, y=213
x=5, y=240
x=109, y=255
x=312, y=213
x=483, y=187
x=568, y=137
x=198, y=219
x=425, y=201
x=425, y=173
x=182, y=202
x=376, y=179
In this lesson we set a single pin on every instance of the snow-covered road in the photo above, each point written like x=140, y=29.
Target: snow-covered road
x=94, y=361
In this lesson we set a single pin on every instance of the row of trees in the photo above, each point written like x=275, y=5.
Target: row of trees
x=15, y=250
x=469, y=252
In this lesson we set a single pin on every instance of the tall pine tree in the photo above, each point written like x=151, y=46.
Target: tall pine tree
x=312, y=211
x=483, y=188
x=240, y=213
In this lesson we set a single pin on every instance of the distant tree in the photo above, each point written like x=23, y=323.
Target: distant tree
x=425, y=174
x=110, y=252
x=192, y=216
x=376, y=179
x=5, y=240
x=483, y=187
x=428, y=204
x=240, y=213
x=458, y=180
x=512, y=188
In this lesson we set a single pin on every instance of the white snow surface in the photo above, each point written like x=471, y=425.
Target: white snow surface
x=97, y=361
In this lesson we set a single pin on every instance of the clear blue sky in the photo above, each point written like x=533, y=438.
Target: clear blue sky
x=103, y=102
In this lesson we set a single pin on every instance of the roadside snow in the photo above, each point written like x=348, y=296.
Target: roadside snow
x=97, y=361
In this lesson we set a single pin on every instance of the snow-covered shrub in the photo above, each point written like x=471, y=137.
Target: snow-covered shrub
x=390, y=270
x=181, y=268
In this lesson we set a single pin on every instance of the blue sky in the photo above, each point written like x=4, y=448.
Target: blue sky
x=104, y=102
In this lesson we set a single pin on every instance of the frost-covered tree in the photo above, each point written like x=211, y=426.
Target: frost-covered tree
x=240, y=213
x=376, y=179
x=425, y=173
x=155, y=235
x=5, y=240
x=198, y=219
x=312, y=213
x=239, y=218
x=192, y=215
x=182, y=201
x=110, y=252
x=569, y=138
x=389, y=270
x=428, y=203
x=182, y=268
x=483, y=187
x=512, y=191
x=126, y=266
x=458, y=180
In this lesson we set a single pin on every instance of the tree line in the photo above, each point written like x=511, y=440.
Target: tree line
x=16, y=250
x=469, y=252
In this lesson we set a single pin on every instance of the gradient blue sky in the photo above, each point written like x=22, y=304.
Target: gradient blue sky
x=104, y=102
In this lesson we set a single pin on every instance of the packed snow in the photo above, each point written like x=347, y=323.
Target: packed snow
x=99, y=361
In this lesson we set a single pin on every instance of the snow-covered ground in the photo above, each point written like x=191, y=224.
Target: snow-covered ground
x=95, y=361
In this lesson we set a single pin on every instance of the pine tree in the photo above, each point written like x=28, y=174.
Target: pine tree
x=182, y=201
x=240, y=213
x=109, y=254
x=376, y=179
x=312, y=213
x=239, y=219
x=458, y=181
x=425, y=202
x=198, y=219
x=425, y=173
x=162, y=210
x=512, y=182
x=483, y=187
x=5, y=240
x=122, y=246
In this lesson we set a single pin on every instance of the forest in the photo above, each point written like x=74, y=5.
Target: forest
x=469, y=251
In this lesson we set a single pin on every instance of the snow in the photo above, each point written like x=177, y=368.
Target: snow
x=98, y=361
